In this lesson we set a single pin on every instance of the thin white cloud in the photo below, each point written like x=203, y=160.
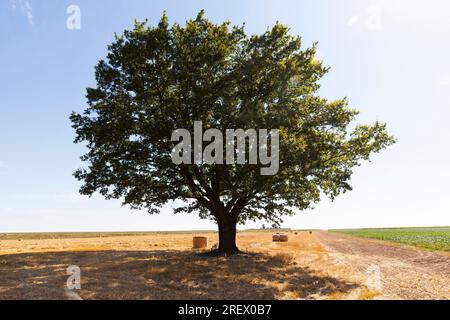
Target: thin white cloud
x=25, y=8
x=352, y=21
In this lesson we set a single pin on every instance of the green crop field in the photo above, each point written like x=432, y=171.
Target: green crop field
x=435, y=238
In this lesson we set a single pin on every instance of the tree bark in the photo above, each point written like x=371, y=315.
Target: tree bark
x=227, y=235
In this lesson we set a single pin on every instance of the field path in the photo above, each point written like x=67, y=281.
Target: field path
x=405, y=272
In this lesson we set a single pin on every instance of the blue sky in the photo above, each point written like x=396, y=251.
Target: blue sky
x=390, y=58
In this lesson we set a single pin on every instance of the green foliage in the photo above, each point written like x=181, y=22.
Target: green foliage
x=437, y=238
x=158, y=79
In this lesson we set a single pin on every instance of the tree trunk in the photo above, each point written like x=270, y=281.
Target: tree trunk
x=227, y=235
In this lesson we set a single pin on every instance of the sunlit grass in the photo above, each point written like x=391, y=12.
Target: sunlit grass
x=164, y=266
x=435, y=238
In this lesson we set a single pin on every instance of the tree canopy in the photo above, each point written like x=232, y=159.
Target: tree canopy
x=157, y=79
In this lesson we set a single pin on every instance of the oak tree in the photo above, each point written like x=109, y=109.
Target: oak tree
x=162, y=78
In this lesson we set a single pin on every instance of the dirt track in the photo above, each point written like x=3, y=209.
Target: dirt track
x=405, y=272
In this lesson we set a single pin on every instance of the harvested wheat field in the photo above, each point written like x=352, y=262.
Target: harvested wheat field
x=318, y=265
